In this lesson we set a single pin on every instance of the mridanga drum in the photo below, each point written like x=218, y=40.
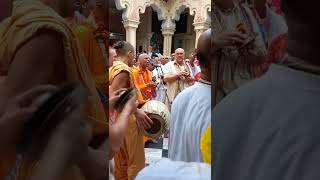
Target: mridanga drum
x=160, y=115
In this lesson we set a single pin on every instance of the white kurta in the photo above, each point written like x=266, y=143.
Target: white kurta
x=269, y=128
x=235, y=74
x=174, y=88
x=190, y=117
x=161, y=88
x=166, y=169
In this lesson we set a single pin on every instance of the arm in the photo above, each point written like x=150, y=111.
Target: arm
x=120, y=81
x=34, y=64
x=118, y=132
x=257, y=55
x=53, y=164
x=170, y=78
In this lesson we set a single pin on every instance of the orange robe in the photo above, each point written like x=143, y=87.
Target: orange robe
x=130, y=159
x=94, y=56
x=142, y=78
x=27, y=18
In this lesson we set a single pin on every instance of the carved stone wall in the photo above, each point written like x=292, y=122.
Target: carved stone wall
x=168, y=13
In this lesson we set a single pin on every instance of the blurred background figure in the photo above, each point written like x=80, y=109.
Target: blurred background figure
x=177, y=76
x=56, y=53
x=112, y=55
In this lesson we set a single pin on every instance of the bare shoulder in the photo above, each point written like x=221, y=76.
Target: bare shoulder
x=122, y=76
x=122, y=80
x=44, y=43
x=36, y=61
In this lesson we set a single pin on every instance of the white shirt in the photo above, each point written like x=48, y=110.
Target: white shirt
x=166, y=169
x=161, y=88
x=174, y=88
x=269, y=128
x=190, y=117
x=234, y=74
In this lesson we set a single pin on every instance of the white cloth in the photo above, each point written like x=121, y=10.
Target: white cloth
x=190, y=117
x=111, y=169
x=161, y=88
x=234, y=74
x=166, y=169
x=195, y=70
x=269, y=128
x=174, y=88
x=278, y=24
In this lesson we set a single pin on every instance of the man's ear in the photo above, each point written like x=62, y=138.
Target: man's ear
x=128, y=53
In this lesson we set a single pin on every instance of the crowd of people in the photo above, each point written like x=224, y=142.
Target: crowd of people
x=54, y=42
x=46, y=44
x=265, y=114
x=261, y=59
x=172, y=82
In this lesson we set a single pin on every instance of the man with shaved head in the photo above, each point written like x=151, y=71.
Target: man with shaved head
x=143, y=78
x=188, y=123
x=177, y=76
x=37, y=42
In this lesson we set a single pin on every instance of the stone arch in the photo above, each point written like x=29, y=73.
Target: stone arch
x=132, y=9
x=180, y=8
x=155, y=5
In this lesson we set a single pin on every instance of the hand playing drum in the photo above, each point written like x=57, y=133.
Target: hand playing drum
x=159, y=115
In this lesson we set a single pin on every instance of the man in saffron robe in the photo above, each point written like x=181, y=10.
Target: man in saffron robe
x=130, y=159
x=35, y=27
x=93, y=51
x=143, y=78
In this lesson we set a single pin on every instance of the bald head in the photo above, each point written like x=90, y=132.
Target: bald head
x=144, y=60
x=179, y=55
x=204, y=46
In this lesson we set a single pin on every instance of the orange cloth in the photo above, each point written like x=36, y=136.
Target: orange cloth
x=130, y=159
x=27, y=18
x=94, y=56
x=142, y=78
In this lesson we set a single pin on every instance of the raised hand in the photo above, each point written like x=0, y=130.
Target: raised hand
x=17, y=113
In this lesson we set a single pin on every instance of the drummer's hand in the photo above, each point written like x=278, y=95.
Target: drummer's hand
x=17, y=112
x=132, y=105
x=143, y=120
x=114, y=97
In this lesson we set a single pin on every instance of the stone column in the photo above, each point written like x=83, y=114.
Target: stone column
x=148, y=41
x=167, y=44
x=131, y=31
x=200, y=28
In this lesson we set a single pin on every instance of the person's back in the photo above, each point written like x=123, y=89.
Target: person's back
x=190, y=117
x=268, y=128
x=166, y=169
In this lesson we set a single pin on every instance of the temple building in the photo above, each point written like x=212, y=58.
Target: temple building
x=159, y=25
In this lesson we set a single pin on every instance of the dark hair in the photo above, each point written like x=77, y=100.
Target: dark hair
x=123, y=47
x=202, y=59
